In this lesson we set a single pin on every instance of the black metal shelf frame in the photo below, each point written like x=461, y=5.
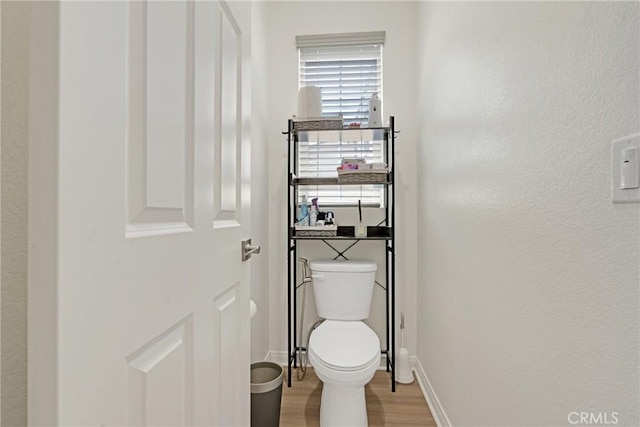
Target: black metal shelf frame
x=335, y=181
x=389, y=135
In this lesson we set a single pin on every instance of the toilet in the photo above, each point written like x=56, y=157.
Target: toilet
x=343, y=350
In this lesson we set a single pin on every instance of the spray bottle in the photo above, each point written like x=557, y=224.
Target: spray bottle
x=313, y=216
x=303, y=217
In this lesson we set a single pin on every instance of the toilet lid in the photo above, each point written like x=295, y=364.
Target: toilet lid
x=344, y=346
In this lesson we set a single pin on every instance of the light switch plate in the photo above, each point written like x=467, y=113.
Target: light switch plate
x=619, y=195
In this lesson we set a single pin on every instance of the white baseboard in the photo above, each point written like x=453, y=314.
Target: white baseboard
x=279, y=357
x=439, y=415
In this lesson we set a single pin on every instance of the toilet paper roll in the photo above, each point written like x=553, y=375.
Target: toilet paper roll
x=253, y=308
x=309, y=102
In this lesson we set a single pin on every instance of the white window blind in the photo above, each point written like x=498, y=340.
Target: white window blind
x=319, y=153
x=348, y=69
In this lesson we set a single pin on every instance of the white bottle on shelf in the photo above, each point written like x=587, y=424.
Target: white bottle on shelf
x=313, y=216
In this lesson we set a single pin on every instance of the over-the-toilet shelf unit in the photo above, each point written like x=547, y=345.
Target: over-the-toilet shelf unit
x=383, y=232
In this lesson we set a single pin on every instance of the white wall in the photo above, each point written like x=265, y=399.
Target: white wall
x=286, y=20
x=15, y=89
x=259, y=184
x=528, y=274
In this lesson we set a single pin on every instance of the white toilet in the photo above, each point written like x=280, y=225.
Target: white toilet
x=344, y=352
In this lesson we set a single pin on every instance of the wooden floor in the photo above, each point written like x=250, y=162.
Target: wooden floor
x=405, y=407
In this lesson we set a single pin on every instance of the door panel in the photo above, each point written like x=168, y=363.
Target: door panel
x=227, y=313
x=169, y=29
x=229, y=117
x=160, y=117
x=151, y=301
x=160, y=379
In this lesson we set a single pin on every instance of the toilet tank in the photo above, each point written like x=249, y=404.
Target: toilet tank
x=343, y=289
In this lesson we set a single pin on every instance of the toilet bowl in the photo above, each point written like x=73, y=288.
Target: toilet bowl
x=344, y=351
x=345, y=356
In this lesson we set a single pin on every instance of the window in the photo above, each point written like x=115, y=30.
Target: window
x=348, y=69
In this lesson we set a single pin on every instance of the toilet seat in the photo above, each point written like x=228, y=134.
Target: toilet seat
x=345, y=346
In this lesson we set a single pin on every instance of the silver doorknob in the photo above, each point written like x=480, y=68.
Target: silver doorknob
x=248, y=249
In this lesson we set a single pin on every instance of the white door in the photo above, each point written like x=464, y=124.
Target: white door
x=143, y=319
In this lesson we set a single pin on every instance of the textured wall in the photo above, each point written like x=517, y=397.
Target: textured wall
x=286, y=20
x=15, y=50
x=528, y=294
